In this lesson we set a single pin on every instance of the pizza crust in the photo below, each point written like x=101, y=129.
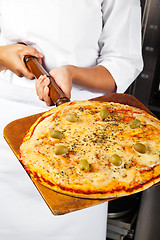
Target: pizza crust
x=95, y=140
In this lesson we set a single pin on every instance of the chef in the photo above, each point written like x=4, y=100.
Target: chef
x=91, y=47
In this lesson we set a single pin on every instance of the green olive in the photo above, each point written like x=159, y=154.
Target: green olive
x=116, y=160
x=84, y=165
x=60, y=150
x=56, y=134
x=135, y=124
x=104, y=113
x=141, y=148
x=71, y=117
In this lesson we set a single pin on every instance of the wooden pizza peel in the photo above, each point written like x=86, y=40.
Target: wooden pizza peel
x=57, y=202
x=15, y=131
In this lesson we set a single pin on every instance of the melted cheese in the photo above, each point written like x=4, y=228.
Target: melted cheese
x=94, y=140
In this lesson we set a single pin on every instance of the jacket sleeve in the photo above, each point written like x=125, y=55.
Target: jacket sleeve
x=120, y=41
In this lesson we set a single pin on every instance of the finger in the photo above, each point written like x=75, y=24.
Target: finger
x=39, y=88
x=46, y=97
x=33, y=52
x=25, y=72
x=26, y=50
x=46, y=80
x=20, y=69
x=41, y=83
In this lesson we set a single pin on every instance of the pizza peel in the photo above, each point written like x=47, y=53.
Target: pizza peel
x=15, y=131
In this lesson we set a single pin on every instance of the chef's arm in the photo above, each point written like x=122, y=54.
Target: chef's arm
x=11, y=57
x=96, y=78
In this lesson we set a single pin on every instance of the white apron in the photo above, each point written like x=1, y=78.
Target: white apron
x=23, y=212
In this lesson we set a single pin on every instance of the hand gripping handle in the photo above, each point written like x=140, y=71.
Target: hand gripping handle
x=56, y=94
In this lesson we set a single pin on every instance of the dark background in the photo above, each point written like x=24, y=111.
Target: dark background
x=147, y=86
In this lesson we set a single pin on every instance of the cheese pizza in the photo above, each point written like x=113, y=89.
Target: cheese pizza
x=93, y=149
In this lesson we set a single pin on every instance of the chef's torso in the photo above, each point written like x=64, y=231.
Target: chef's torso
x=66, y=32
x=78, y=32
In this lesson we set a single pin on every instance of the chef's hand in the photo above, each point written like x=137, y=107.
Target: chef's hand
x=97, y=78
x=62, y=76
x=11, y=57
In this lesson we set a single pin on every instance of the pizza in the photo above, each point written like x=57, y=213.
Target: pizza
x=92, y=149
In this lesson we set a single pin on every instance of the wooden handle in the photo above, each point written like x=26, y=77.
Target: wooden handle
x=56, y=94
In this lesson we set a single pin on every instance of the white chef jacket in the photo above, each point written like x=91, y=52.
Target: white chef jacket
x=79, y=32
